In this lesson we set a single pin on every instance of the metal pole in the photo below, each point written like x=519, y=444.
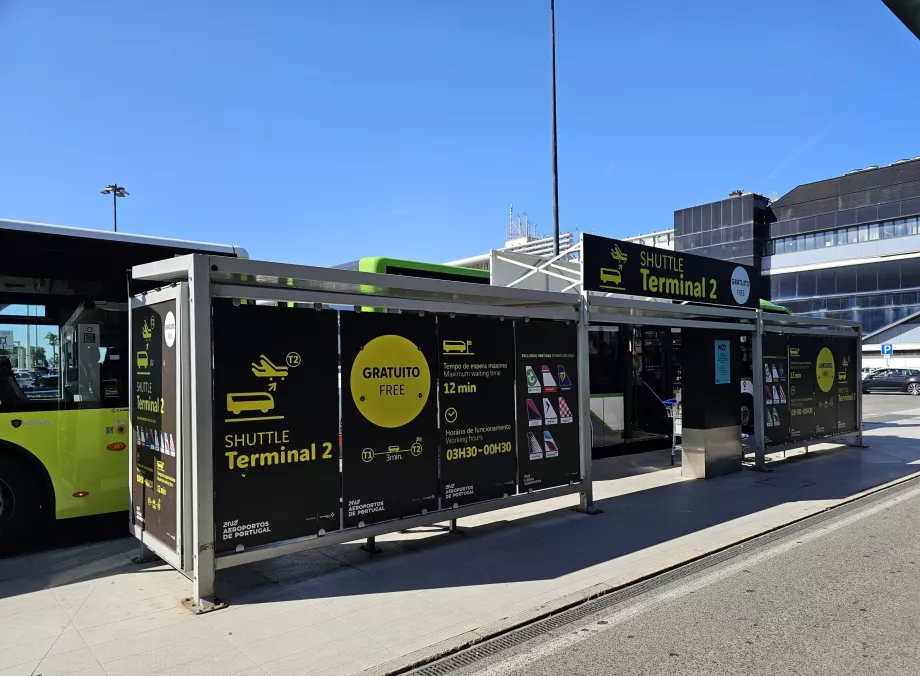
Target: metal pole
x=859, y=389
x=552, y=15
x=202, y=473
x=760, y=440
x=115, y=208
x=586, y=502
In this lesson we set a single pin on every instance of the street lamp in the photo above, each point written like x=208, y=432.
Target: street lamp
x=116, y=191
x=552, y=33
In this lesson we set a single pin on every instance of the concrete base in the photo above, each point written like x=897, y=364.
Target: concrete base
x=713, y=452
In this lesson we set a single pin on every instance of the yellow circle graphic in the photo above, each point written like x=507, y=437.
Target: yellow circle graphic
x=390, y=381
x=825, y=369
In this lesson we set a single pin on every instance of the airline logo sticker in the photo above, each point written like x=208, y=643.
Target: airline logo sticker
x=534, y=447
x=533, y=384
x=549, y=385
x=564, y=383
x=533, y=414
x=549, y=413
x=565, y=413
x=552, y=451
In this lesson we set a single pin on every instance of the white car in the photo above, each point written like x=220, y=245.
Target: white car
x=24, y=379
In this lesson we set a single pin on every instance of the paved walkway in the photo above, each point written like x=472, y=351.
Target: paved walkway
x=88, y=611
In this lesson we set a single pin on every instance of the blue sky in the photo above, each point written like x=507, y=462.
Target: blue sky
x=321, y=132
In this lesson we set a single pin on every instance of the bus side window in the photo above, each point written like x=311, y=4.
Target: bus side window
x=96, y=368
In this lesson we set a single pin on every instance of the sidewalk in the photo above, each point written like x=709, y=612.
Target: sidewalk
x=89, y=611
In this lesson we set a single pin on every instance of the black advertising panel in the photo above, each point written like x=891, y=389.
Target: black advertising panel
x=276, y=450
x=614, y=266
x=389, y=416
x=477, y=409
x=801, y=389
x=154, y=417
x=848, y=380
x=825, y=375
x=776, y=387
x=547, y=404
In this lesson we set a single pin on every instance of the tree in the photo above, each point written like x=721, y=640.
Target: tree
x=53, y=341
x=38, y=355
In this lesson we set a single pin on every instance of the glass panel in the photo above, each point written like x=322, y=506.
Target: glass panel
x=787, y=285
x=826, y=282
x=807, y=284
x=841, y=236
x=900, y=228
x=800, y=242
x=846, y=279
x=873, y=232
x=852, y=235
x=888, y=230
x=810, y=241
x=913, y=226
x=22, y=310
x=28, y=364
x=889, y=275
x=864, y=233
x=866, y=277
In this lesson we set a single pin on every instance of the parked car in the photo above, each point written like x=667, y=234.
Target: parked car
x=24, y=379
x=892, y=380
x=868, y=370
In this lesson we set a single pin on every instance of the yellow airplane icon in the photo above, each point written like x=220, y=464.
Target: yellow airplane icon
x=266, y=369
x=617, y=254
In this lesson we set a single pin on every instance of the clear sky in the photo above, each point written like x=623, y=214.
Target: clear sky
x=321, y=132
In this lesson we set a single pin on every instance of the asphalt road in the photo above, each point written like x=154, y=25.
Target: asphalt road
x=840, y=596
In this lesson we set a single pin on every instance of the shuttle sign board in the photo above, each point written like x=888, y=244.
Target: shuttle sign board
x=614, y=266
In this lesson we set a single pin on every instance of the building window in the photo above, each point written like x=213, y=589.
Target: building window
x=873, y=232
x=904, y=227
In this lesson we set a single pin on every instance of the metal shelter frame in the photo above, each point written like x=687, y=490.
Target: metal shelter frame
x=197, y=279
x=609, y=308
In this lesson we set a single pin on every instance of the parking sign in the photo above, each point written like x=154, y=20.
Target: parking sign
x=887, y=349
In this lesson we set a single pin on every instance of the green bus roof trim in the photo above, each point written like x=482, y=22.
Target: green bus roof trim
x=381, y=264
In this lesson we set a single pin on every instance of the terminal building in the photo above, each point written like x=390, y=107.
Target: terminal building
x=846, y=247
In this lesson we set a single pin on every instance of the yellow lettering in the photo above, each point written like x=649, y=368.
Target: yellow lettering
x=270, y=458
x=292, y=455
x=230, y=456
x=644, y=272
x=304, y=454
x=653, y=284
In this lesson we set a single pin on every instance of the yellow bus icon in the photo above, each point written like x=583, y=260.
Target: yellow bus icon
x=142, y=360
x=454, y=346
x=610, y=275
x=250, y=401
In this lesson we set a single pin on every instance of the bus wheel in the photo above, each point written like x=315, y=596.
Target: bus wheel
x=23, y=507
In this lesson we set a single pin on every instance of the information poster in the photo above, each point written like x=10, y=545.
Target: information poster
x=389, y=416
x=825, y=386
x=276, y=450
x=777, y=390
x=801, y=389
x=154, y=420
x=848, y=382
x=478, y=461
x=723, y=362
x=547, y=404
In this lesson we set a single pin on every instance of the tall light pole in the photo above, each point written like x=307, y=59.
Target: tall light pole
x=552, y=33
x=119, y=191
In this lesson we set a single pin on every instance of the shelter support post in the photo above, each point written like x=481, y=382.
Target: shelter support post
x=859, y=390
x=586, y=502
x=759, y=422
x=199, y=310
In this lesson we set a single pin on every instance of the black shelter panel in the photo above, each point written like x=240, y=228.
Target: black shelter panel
x=276, y=450
x=389, y=416
x=711, y=378
x=776, y=388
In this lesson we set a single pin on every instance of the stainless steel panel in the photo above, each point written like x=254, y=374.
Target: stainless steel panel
x=713, y=452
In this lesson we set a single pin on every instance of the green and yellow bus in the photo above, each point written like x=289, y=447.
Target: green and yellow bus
x=64, y=369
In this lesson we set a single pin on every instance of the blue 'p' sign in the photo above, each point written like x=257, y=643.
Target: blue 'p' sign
x=887, y=348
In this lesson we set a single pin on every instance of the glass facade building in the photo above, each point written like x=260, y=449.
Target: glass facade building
x=846, y=247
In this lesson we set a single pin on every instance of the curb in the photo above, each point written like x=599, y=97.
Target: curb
x=468, y=639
